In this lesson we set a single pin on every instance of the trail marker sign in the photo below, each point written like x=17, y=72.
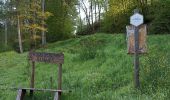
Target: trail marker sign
x=136, y=19
x=46, y=58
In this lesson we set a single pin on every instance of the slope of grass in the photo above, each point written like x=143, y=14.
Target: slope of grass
x=96, y=67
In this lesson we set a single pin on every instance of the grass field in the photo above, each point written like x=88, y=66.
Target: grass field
x=96, y=67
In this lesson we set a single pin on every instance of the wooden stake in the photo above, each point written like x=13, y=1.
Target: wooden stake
x=59, y=80
x=136, y=58
x=32, y=77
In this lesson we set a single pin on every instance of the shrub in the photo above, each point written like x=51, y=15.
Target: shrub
x=89, y=47
x=5, y=48
x=161, y=22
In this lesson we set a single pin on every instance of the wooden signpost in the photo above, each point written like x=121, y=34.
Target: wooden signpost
x=136, y=20
x=47, y=58
x=131, y=38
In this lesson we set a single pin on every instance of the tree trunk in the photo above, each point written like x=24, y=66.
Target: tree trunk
x=19, y=36
x=6, y=32
x=99, y=10
x=95, y=10
x=91, y=12
x=80, y=19
x=34, y=22
x=43, y=32
x=85, y=9
x=106, y=5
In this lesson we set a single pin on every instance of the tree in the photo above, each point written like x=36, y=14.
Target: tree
x=33, y=19
x=43, y=32
x=62, y=24
x=4, y=18
x=18, y=7
x=160, y=23
x=93, y=10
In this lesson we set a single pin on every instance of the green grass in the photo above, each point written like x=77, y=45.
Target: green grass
x=96, y=67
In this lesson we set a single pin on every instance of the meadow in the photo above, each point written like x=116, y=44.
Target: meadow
x=96, y=67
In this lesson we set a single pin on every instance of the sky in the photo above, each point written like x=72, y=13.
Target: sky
x=82, y=14
x=3, y=0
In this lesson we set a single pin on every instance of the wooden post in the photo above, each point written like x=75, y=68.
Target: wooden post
x=56, y=97
x=32, y=77
x=50, y=58
x=6, y=32
x=59, y=80
x=136, y=58
x=51, y=82
x=21, y=94
x=136, y=20
x=43, y=32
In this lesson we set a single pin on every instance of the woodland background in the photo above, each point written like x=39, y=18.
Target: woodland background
x=26, y=24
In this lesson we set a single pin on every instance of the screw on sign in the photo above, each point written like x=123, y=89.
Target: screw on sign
x=136, y=19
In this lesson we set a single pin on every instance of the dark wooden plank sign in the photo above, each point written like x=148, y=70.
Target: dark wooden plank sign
x=47, y=57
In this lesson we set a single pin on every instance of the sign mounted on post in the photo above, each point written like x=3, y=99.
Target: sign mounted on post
x=136, y=19
x=47, y=58
x=130, y=30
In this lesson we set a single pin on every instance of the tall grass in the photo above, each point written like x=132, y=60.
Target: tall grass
x=96, y=67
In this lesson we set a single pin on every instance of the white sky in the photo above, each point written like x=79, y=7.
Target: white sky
x=3, y=0
x=82, y=14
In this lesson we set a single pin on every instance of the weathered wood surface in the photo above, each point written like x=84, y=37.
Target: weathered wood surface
x=60, y=77
x=21, y=94
x=44, y=90
x=46, y=57
x=142, y=39
x=32, y=77
x=59, y=82
x=56, y=96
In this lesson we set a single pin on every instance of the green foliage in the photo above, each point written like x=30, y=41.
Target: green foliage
x=108, y=76
x=25, y=44
x=32, y=21
x=61, y=24
x=156, y=15
x=116, y=23
x=160, y=22
x=119, y=13
x=4, y=47
x=90, y=47
x=116, y=19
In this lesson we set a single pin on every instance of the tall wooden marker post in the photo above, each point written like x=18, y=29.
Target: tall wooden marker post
x=136, y=20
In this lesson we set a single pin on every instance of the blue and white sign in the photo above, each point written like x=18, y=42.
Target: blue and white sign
x=136, y=19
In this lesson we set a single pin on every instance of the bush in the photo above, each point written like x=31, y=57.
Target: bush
x=5, y=47
x=116, y=23
x=89, y=47
x=161, y=22
x=26, y=45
